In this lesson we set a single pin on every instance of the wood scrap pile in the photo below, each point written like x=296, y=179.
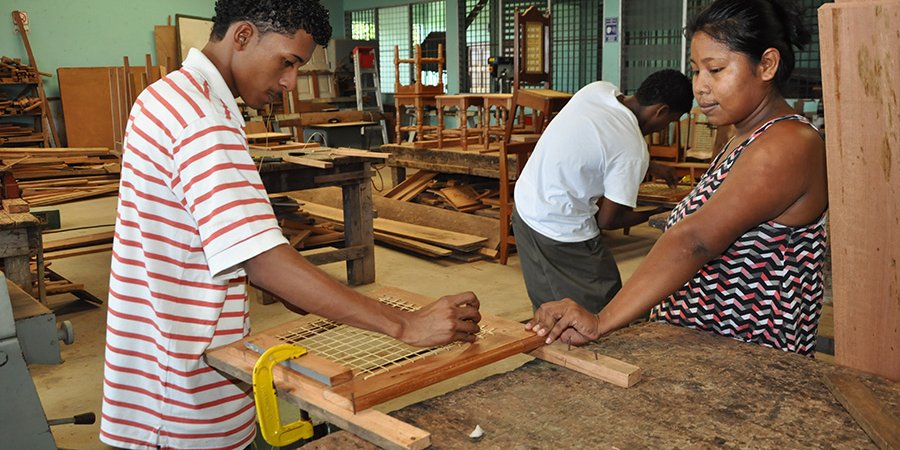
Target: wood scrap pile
x=457, y=193
x=14, y=133
x=302, y=230
x=19, y=106
x=54, y=176
x=13, y=71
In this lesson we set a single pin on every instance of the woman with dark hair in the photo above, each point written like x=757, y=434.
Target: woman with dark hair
x=742, y=254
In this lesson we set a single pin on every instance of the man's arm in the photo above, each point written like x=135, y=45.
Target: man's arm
x=286, y=274
x=612, y=215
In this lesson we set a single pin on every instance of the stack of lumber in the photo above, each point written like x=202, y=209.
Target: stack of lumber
x=401, y=223
x=12, y=133
x=19, y=106
x=13, y=71
x=53, y=176
x=78, y=245
x=301, y=229
x=457, y=193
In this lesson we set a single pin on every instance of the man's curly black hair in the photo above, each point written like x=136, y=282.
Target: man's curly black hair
x=281, y=16
x=668, y=87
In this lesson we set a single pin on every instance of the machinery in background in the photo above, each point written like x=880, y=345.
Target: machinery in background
x=28, y=335
x=501, y=70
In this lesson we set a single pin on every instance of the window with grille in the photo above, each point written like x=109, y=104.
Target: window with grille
x=652, y=40
x=480, y=45
x=576, y=45
x=401, y=26
x=361, y=24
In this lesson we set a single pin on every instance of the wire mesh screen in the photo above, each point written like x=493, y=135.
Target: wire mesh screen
x=361, y=24
x=480, y=15
x=365, y=352
x=652, y=39
x=577, y=46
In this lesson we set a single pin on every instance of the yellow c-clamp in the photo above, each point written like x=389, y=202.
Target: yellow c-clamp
x=267, y=403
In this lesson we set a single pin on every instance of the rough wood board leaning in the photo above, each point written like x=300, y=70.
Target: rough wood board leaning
x=861, y=92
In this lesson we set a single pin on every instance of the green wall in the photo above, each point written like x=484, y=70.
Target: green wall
x=66, y=33
x=611, y=68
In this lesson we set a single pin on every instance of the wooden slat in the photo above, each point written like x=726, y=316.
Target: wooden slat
x=79, y=241
x=413, y=245
x=589, y=363
x=311, y=365
x=411, y=186
x=304, y=161
x=59, y=254
x=872, y=416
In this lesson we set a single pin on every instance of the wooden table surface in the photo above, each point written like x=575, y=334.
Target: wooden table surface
x=698, y=390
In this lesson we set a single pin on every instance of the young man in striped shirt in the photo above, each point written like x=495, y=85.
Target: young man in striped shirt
x=194, y=223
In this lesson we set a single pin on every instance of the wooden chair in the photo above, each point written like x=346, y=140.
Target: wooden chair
x=532, y=65
x=516, y=154
x=417, y=94
x=666, y=144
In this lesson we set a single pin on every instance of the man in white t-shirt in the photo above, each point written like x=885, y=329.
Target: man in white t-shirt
x=194, y=224
x=582, y=177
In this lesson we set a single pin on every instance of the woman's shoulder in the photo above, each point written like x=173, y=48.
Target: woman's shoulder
x=795, y=135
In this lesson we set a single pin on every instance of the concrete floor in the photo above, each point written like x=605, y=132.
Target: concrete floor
x=76, y=385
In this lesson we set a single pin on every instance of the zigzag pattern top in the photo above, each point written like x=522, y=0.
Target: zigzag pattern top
x=765, y=288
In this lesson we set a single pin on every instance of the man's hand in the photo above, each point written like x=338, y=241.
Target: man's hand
x=565, y=320
x=667, y=173
x=450, y=318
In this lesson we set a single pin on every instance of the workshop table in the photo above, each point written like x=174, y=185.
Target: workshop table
x=353, y=175
x=696, y=390
x=20, y=239
x=421, y=156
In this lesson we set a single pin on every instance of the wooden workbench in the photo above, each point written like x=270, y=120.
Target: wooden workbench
x=697, y=390
x=444, y=160
x=20, y=239
x=353, y=175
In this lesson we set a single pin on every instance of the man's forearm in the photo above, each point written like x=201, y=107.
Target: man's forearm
x=286, y=274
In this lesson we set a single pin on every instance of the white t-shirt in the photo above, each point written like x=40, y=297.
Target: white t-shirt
x=592, y=149
x=192, y=210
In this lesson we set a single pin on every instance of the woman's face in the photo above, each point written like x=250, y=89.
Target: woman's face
x=728, y=86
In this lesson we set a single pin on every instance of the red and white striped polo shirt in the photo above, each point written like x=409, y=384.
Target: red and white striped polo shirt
x=191, y=211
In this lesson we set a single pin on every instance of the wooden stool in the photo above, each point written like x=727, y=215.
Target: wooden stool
x=501, y=104
x=462, y=103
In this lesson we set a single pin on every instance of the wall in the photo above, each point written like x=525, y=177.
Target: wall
x=100, y=32
x=611, y=67
x=89, y=34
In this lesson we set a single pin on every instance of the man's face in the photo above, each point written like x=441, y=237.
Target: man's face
x=267, y=65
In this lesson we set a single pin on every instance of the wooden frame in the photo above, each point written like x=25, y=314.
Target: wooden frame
x=317, y=398
x=191, y=31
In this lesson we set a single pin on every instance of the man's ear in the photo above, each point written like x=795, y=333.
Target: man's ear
x=662, y=110
x=768, y=64
x=243, y=31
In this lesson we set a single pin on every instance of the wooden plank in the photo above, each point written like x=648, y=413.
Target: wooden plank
x=311, y=365
x=590, y=363
x=304, y=161
x=860, y=73
x=442, y=238
x=486, y=227
x=15, y=205
x=871, y=414
x=166, y=46
x=268, y=136
x=411, y=186
x=413, y=245
x=314, y=118
x=104, y=237
x=373, y=426
x=59, y=254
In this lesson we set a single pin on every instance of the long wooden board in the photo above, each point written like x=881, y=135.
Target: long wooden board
x=873, y=417
x=860, y=76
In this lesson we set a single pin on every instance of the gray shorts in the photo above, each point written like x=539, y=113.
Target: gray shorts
x=582, y=271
